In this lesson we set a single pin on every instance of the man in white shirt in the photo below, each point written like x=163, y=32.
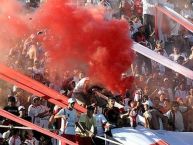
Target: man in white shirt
x=175, y=118
x=176, y=54
x=115, y=5
x=69, y=119
x=149, y=15
x=35, y=111
x=15, y=138
x=101, y=124
x=44, y=119
x=187, y=12
x=30, y=139
x=181, y=92
x=80, y=90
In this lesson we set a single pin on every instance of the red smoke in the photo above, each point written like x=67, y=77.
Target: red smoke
x=13, y=24
x=81, y=37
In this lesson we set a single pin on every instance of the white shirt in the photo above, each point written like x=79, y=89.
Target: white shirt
x=33, y=141
x=33, y=112
x=179, y=123
x=126, y=101
x=115, y=4
x=100, y=120
x=170, y=93
x=181, y=94
x=15, y=140
x=149, y=6
x=80, y=85
x=37, y=70
x=68, y=127
x=136, y=25
x=76, y=79
x=187, y=13
x=175, y=57
x=91, y=2
x=169, y=5
x=44, y=108
x=44, y=121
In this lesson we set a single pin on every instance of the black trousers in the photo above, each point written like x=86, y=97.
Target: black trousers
x=149, y=22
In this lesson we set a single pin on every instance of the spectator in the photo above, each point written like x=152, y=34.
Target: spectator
x=11, y=107
x=133, y=112
x=132, y=29
x=154, y=81
x=30, y=139
x=181, y=92
x=91, y=2
x=149, y=15
x=87, y=126
x=153, y=116
x=80, y=91
x=156, y=103
x=109, y=11
x=15, y=138
x=112, y=113
x=157, y=66
x=101, y=124
x=22, y=113
x=69, y=120
x=126, y=6
x=176, y=54
x=162, y=98
x=187, y=12
x=115, y=5
x=44, y=119
x=34, y=111
x=177, y=80
x=54, y=124
x=167, y=88
x=141, y=37
x=140, y=81
x=138, y=95
x=138, y=8
x=36, y=69
x=33, y=3
x=191, y=54
x=190, y=98
x=166, y=106
x=136, y=23
x=160, y=46
x=175, y=118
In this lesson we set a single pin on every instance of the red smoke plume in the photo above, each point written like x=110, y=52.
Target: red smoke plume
x=79, y=37
x=13, y=24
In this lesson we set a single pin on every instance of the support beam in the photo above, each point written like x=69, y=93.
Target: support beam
x=35, y=87
x=176, y=17
x=162, y=60
x=35, y=127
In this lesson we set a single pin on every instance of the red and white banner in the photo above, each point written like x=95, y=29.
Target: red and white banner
x=144, y=136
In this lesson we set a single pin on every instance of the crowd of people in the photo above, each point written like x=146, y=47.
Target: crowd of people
x=163, y=97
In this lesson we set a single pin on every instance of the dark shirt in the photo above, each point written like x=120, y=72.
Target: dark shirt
x=112, y=114
x=12, y=110
x=140, y=37
x=27, y=118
